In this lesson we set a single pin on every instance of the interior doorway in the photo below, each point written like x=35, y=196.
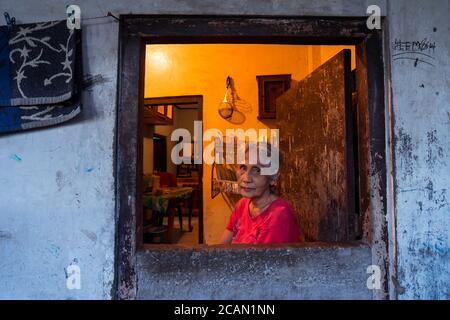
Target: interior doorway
x=171, y=192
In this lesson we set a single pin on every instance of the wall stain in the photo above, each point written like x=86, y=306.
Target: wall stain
x=405, y=147
x=430, y=190
x=420, y=205
x=16, y=158
x=428, y=244
x=90, y=81
x=91, y=235
x=77, y=199
x=59, y=180
x=5, y=235
x=441, y=200
x=434, y=150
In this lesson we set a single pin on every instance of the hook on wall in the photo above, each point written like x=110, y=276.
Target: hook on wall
x=228, y=82
x=9, y=21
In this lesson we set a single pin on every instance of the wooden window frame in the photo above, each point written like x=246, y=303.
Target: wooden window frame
x=283, y=79
x=135, y=31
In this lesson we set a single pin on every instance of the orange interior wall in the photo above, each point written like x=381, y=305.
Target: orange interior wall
x=202, y=69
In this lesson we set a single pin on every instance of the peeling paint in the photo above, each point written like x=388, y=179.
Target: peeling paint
x=429, y=189
x=405, y=151
x=435, y=152
x=59, y=180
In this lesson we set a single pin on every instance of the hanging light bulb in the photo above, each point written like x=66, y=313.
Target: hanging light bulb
x=225, y=108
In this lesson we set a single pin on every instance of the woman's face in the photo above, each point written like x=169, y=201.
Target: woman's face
x=251, y=183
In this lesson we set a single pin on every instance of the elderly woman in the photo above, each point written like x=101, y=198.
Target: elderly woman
x=260, y=216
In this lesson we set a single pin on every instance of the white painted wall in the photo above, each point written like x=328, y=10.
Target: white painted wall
x=57, y=202
x=421, y=109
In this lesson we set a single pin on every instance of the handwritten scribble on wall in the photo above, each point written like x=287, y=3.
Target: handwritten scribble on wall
x=418, y=51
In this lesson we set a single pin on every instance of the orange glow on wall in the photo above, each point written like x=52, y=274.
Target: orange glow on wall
x=157, y=60
x=202, y=69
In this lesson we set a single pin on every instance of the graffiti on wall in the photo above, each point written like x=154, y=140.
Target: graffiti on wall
x=418, y=51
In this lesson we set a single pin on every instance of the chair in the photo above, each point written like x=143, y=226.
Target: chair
x=168, y=179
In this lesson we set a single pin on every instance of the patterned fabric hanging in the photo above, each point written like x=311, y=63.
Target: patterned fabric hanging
x=40, y=73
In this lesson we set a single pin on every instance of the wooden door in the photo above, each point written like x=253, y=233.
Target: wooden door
x=315, y=121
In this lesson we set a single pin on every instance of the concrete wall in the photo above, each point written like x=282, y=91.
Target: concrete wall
x=305, y=272
x=57, y=201
x=421, y=110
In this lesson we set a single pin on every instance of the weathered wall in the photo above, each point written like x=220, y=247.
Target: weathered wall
x=56, y=184
x=304, y=272
x=57, y=202
x=421, y=109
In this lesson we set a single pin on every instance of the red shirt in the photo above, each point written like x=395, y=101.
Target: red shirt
x=276, y=224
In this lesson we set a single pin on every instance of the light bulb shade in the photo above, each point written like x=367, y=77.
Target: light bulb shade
x=225, y=110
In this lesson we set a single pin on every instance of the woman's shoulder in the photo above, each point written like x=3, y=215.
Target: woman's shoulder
x=283, y=207
x=241, y=205
x=281, y=202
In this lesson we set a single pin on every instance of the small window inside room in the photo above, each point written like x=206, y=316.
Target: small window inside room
x=292, y=88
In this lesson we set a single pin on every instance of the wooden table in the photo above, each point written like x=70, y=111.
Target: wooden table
x=167, y=200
